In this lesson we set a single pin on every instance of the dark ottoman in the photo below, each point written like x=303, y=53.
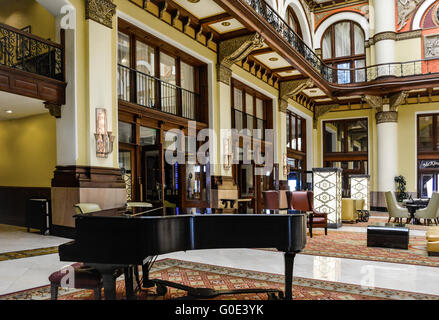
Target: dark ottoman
x=388, y=235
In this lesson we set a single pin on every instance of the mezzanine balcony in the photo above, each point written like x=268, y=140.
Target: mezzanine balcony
x=150, y=92
x=31, y=66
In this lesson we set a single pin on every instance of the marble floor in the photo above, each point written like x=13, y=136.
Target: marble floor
x=25, y=273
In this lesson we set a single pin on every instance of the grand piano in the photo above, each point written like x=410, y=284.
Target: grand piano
x=114, y=240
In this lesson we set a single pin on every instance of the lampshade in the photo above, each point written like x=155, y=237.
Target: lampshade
x=327, y=194
x=360, y=188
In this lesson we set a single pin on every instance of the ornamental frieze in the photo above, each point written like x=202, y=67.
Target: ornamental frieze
x=431, y=46
x=101, y=11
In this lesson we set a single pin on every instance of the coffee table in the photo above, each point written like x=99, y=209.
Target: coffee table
x=388, y=235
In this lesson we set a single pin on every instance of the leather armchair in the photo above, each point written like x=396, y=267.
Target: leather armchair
x=82, y=208
x=303, y=201
x=271, y=199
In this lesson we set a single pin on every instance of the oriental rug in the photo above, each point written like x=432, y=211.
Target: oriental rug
x=220, y=278
x=353, y=245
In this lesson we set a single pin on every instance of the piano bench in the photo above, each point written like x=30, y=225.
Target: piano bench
x=84, y=278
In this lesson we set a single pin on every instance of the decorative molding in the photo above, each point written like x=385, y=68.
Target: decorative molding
x=289, y=89
x=413, y=34
x=101, y=11
x=87, y=177
x=406, y=8
x=387, y=35
x=398, y=37
x=54, y=109
x=386, y=116
x=234, y=50
x=431, y=46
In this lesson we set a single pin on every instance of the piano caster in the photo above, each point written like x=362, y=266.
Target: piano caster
x=161, y=289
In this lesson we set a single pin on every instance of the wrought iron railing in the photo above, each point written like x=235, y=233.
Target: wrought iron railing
x=24, y=51
x=330, y=73
x=145, y=90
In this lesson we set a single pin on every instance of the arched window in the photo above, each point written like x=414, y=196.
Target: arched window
x=293, y=22
x=343, y=48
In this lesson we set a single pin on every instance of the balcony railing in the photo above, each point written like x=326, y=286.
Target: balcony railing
x=334, y=75
x=24, y=51
x=145, y=90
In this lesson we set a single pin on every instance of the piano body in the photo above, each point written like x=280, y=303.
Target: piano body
x=109, y=242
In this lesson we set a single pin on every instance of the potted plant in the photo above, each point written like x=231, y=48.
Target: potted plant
x=401, y=188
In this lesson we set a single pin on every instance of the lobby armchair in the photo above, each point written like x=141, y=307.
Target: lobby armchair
x=271, y=200
x=431, y=211
x=395, y=211
x=303, y=201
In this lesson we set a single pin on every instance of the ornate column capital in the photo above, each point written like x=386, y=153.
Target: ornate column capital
x=101, y=11
x=386, y=116
x=234, y=50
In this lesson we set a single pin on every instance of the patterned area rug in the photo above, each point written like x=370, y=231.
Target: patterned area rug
x=374, y=219
x=221, y=278
x=353, y=245
x=27, y=253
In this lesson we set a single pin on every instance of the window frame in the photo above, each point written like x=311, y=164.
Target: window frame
x=266, y=101
x=335, y=61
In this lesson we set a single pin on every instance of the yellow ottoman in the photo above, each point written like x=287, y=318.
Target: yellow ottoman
x=432, y=237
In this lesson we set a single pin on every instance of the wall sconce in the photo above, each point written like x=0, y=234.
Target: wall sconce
x=227, y=155
x=285, y=165
x=104, y=138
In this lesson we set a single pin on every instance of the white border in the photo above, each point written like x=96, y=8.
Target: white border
x=303, y=21
x=416, y=22
x=351, y=16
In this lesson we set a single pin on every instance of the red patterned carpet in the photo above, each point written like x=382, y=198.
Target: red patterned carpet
x=203, y=275
x=353, y=245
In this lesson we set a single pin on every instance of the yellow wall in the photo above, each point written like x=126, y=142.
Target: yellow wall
x=21, y=13
x=28, y=151
x=407, y=152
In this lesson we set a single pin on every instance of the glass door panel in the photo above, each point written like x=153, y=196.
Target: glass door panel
x=168, y=90
x=428, y=184
x=126, y=167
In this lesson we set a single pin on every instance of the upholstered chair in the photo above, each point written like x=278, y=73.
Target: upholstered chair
x=303, y=201
x=430, y=212
x=349, y=210
x=395, y=211
x=271, y=200
x=84, y=278
x=82, y=208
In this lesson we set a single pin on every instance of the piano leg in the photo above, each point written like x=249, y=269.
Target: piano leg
x=289, y=263
x=109, y=284
x=129, y=283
